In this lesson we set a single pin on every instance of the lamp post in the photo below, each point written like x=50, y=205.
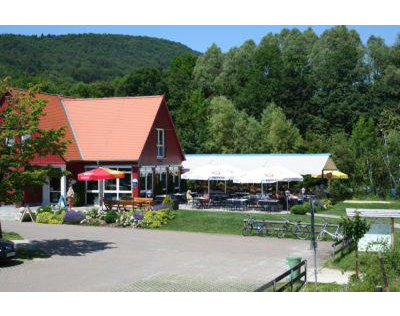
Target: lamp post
x=313, y=241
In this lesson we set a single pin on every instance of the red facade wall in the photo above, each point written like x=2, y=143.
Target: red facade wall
x=174, y=155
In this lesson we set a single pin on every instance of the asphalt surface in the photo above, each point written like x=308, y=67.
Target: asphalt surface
x=116, y=259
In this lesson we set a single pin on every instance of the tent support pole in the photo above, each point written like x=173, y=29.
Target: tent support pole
x=225, y=186
x=276, y=187
x=208, y=187
x=262, y=189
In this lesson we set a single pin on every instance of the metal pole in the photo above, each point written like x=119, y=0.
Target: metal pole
x=313, y=241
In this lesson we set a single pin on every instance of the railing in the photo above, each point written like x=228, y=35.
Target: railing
x=290, y=283
x=340, y=246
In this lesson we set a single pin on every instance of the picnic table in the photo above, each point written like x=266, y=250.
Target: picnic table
x=129, y=203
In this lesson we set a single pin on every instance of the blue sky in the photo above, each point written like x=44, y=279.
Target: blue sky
x=199, y=37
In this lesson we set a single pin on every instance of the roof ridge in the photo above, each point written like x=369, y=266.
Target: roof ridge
x=130, y=97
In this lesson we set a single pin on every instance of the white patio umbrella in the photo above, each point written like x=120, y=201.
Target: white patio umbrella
x=212, y=172
x=269, y=174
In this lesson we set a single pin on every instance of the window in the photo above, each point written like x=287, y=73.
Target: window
x=10, y=141
x=160, y=143
x=25, y=137
x=113, y=188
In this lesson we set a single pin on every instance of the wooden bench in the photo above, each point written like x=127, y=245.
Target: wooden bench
x=128, y=204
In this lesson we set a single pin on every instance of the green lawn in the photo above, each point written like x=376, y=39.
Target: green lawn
x=223, y=222
x=11, y=236
x=324, y=287
x=340, y=208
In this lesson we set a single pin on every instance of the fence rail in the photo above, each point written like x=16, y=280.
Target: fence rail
x=290, y=283
x=340, y=246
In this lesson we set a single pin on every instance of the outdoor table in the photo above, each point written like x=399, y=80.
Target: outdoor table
x=201, y=201
x=237, y=203
x=271, y=205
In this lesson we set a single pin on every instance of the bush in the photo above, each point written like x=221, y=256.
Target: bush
x=125, y=219
x=74, y=217
x=300, y=209
x=50, y=218
x=44, y=209
x=168, y=200
x=110, y=217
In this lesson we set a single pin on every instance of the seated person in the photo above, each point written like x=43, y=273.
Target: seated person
x=206, y=197
x=189, y=196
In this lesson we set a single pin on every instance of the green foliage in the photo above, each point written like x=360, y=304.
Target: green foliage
x=83, y=57
x=300, y=209
x=111, y=217
x=125, y=219
x=21, y=116
x=50, y=218
x=168, y=200
x=155, y=219
x=44, y=209
x=355, y=227
x=339, y=191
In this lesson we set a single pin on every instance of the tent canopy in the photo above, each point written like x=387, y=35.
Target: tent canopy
x=268, y=175
x=212, y=172
x=303, y=164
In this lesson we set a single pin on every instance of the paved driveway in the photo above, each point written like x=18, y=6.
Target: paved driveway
x=112, y=259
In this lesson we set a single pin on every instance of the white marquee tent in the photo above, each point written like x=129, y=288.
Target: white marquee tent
x=303, y=164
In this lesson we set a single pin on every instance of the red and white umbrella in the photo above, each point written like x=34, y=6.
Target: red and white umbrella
x=100, y=174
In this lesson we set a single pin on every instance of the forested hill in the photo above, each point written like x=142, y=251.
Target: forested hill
x=84, y=57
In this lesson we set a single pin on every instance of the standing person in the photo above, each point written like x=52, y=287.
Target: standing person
x=70, y=197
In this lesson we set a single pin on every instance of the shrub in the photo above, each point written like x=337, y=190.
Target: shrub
x=125, y=219
x=168, y=200
x=110, y=217
x=300, y=209
x=74, y=217
x=44, y=209
x=94, y=217
x=50, y=218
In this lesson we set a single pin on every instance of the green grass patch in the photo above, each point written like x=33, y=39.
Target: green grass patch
x=224, y=222
x=324, y=287
x=11, y=236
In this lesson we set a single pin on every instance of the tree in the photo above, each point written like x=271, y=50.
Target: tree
x=21, y=140
x=283, y=137
x=192, y=121
x=367, y=147
x=145, y=81
x=178, y=78
x=339, y=73
x=355, y=228
x=207, y=69
x=223, y=116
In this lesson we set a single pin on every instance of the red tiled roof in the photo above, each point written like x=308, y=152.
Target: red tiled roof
x=111, y=128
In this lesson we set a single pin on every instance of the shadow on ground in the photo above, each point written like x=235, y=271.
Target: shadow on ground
x=67, y=247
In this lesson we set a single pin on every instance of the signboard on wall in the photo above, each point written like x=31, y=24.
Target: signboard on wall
x=135, y=183
x=373, y=212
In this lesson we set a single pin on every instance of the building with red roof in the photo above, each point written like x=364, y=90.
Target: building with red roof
x=131, y=134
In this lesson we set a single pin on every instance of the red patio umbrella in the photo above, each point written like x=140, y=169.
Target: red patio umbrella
x=100, y=174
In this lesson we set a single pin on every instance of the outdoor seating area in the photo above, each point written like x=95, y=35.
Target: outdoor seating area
x=240, y=201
